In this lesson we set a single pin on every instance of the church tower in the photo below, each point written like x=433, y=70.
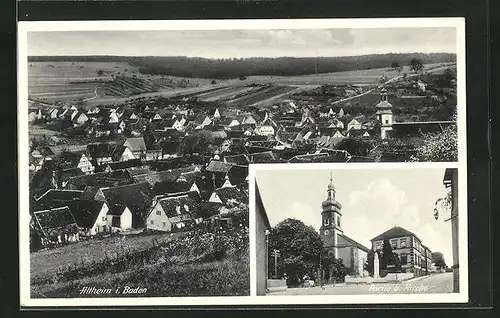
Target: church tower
x=384, y=114
x=331, y=221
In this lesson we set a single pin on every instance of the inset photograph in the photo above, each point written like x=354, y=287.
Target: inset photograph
x=323, y=231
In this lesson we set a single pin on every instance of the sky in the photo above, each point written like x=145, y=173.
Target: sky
x=244, y=43
x=373, y=201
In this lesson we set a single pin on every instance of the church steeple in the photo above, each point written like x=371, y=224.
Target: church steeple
x=384, y=113
x=331, y=220
x=383, y=94
x=331, y=188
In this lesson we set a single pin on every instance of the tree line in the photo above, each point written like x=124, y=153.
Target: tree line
x=197, y=67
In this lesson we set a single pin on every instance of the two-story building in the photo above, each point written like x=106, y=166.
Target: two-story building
x=409, y=248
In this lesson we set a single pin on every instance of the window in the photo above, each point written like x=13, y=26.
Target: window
x=164, y=224
x=338, y=221
x=326, y=221
x=402, y=243
x=158, y=212
x=152, y=222
x=404, y=259
x=104, y=218
x=394, y=243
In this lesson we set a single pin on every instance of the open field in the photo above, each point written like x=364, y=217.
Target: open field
x=46, y=262
x=362, y=77
x=197, y=263
x=70, y=81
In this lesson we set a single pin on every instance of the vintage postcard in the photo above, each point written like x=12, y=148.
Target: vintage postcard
x=359, y=232
x=137, y=139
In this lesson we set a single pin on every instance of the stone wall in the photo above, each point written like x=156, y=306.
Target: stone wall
x=276, y=284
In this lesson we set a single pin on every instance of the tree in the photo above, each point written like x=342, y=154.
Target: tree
x=100, y=72
x=397, y=67
x=300, y=247
x=369, y=264
x=386, y=253
x=416, y=65
x=200, y=142
x=354, y=147
x=438, y=260
x=335, y=266
x=442, y=146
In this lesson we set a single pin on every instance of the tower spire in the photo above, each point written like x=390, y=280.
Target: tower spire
x=331, y=187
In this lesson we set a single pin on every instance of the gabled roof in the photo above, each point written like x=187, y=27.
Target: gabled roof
x=226, y=121
x=85, y=212
x=354, y=121
x=120, y=165
x=357, y=132
x=261, y=157
x=116, y=209
x=137, y=197
x=218, y=166
x=200, y=118
x=161, y=176
x=347, y=241
x=66, y=174
x=100, y=150
x=219, y=134
x=178, y=205
x=206, y=210
x=239, y=159
x=45, y=151
x=101, y=179
x=139, y=170
x=54, y=197
x=70, y=158
x=118, y=152
x=237, y=174
x=228, y=193
x=135, y=144
x=396, y=231
x=56, y=221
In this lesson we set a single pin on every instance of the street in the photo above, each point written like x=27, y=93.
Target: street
x=435, y=283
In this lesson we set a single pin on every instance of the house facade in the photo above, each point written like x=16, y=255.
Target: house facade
x=85, y=165
x=414, y=256
x=119, y=218
x=172, y=213
x=262, y=228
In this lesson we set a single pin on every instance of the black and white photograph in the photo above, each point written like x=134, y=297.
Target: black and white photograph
x=136, y=139
x=366, y=231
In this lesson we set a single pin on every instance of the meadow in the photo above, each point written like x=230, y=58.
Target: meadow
x=119, y=82
x=199, y=263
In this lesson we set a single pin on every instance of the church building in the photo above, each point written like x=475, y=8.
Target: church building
x=335, y=242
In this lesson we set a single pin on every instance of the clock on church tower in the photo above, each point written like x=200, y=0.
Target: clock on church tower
x=330, y=220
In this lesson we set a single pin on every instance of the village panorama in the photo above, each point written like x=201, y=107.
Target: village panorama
x=139, y=166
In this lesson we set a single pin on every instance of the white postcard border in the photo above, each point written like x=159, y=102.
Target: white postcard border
x=23, y=145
